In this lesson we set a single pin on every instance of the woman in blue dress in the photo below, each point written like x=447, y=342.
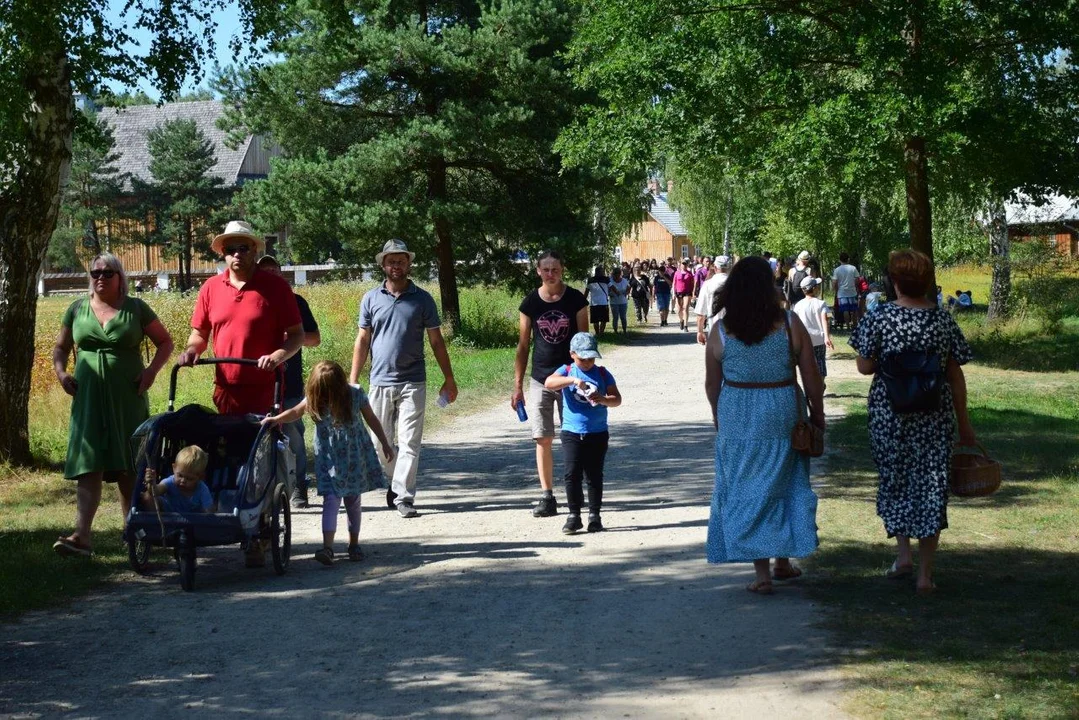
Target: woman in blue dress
x=762, y=504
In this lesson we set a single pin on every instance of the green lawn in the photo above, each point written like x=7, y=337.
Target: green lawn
x=1001, y=637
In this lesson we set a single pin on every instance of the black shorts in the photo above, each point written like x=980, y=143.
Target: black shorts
x=684, y=294
x=599, y=313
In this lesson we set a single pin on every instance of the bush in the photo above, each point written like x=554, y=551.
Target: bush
x=488, y=319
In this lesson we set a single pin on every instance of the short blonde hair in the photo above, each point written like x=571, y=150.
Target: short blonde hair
x=113, y=263
x=192, y=459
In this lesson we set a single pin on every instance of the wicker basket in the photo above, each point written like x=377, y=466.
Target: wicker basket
x=974, y=473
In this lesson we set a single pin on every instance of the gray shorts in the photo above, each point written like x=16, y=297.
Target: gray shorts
x=541, y=405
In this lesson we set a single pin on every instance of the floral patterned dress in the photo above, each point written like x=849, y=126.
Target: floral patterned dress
x=345, y=459
x=912, y=451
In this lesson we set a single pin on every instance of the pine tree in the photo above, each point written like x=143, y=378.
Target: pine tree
x=93, y=189
x=434, y=122
x=185, y=194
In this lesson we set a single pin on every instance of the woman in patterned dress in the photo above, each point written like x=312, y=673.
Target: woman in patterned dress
x=109, y=386
x=762, y=503
x=913, y=451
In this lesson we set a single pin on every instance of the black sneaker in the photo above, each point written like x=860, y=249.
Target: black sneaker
x=299, y=498
x=391, y=496
x=594, y=524
x=573, y=524
x=547, y=507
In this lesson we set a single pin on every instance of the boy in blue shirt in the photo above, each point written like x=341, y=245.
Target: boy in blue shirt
x=183, y=491
x=587, y=391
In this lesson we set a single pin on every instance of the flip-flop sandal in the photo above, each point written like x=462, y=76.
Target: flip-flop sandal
x=65, y=547
x=787, y=573
x=899, y=572
x=761, y=587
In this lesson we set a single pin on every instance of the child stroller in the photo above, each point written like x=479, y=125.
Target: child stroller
x=251, y=473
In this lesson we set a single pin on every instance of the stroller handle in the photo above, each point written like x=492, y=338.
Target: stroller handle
x=278, y=386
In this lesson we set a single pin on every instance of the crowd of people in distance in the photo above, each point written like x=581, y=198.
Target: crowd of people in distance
x=763, y=322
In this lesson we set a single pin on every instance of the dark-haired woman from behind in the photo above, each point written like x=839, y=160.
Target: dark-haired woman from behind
x=762, y=503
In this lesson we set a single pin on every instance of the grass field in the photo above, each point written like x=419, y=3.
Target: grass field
x=1001, y=637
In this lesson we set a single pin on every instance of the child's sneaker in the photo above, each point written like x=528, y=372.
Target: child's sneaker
x=594, y=523
x=324, y=556
x=573, y=524
x=355, y=553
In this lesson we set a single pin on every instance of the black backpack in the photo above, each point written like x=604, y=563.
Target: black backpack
x=794, y=286
x=913, y=380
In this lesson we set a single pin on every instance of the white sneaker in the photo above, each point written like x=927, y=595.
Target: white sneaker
x=406, y=510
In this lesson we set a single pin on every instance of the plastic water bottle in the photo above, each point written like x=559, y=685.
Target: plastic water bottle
x=521, y=414
x=443, y=401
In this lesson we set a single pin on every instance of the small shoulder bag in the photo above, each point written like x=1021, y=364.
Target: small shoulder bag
x=806, y=438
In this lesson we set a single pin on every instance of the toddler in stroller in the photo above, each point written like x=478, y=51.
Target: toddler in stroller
x=184, y=491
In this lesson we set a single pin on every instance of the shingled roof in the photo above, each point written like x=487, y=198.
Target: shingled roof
x=667, y=216
x=131, y=125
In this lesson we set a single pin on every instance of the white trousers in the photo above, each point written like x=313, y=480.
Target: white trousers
x=400, y=409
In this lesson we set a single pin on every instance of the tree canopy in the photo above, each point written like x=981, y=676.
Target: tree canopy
x=433, y=122
x=833, y=99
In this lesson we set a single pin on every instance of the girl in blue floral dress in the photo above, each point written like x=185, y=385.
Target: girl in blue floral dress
x=345, y=460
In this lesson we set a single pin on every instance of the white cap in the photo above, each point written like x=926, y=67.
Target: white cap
x=810, y=282
x=723, y=260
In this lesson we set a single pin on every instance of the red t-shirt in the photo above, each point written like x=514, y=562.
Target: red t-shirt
x=248, y=322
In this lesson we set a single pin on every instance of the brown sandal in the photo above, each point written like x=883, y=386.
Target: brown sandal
x=761, y=587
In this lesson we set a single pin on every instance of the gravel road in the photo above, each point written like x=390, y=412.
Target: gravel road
x=474, y=608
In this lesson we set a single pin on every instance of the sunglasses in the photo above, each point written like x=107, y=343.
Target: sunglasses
x=237, y=249
x=98, y=274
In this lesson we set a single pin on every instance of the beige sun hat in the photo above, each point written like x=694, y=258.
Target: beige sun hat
x=237, y=229
x=394, y=247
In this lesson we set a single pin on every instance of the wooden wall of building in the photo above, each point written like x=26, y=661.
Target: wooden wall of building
x=649, y=239
x=1065, y=240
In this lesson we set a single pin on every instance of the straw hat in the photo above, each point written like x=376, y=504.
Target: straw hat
x=237, y=229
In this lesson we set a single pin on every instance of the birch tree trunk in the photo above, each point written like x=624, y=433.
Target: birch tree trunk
x=28, y=210
x=1000, y=249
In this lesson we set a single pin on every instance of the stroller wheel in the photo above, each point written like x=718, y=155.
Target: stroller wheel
x=138, y=555
x=281, y=531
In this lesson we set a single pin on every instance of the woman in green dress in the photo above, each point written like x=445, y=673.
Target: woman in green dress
x=109, y=389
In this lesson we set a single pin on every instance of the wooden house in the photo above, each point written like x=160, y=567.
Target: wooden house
x=1056, y=220
x=250, y=160
x=660, y=233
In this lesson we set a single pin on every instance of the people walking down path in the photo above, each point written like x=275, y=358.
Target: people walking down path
x=476, y=611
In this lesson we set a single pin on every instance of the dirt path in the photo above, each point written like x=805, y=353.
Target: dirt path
x=472, y=609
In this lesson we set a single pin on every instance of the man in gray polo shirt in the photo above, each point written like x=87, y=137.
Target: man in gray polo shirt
x=393, y=318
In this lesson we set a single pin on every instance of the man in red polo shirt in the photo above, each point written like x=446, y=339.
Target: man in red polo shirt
x=245, y=312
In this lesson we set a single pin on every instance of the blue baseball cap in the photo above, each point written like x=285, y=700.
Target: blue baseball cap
x=585, y=346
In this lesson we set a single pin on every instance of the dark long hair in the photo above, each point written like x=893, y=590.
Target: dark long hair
x=749, y=296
